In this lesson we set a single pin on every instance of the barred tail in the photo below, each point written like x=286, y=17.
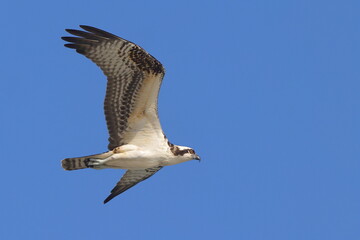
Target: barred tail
x=74, y=163
x=82, y=162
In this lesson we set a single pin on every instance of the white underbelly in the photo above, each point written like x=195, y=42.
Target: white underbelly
x=131, y=163
x=134, y=160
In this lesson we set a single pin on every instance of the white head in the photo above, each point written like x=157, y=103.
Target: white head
x=183, y=154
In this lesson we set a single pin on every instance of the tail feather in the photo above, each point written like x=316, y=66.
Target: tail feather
x=82, y=162
x=75, y=163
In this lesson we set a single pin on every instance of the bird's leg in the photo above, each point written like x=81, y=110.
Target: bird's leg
x=101, y=162
x=96, y=163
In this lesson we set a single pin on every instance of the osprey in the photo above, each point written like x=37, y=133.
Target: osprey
x=137, y=142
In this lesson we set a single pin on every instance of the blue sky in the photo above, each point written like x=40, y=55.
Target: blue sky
x=267, y=92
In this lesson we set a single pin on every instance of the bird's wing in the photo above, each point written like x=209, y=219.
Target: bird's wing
x=130, y=179
x=134, y=79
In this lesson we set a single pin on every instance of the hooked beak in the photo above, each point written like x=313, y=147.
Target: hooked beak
x=197, y=157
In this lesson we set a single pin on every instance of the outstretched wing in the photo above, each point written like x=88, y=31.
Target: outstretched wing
x=134, y=79
x=130, y=179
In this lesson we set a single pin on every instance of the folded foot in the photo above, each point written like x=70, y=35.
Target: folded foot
x=95, y=163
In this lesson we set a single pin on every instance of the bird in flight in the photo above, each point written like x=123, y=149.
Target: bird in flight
x=137, y=142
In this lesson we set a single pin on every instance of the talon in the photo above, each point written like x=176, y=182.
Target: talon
x=92, y=162
x=87, y=163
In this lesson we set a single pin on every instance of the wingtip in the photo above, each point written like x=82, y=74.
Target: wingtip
x=108, y=199
x=69, y=30
x=89, y=28
x=83, y=26
x=63, y=38
x=99, y=32
x=70, y=45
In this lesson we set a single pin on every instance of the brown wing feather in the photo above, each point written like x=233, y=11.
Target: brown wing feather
x=126, y=66
x=130, y=179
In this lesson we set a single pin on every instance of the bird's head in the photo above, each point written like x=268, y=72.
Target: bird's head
x=186, y=152
x=193, y=155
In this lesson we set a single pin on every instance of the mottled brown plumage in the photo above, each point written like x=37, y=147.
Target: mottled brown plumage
x=125, y=64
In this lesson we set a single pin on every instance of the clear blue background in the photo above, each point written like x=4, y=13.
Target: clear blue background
x=267, y=92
